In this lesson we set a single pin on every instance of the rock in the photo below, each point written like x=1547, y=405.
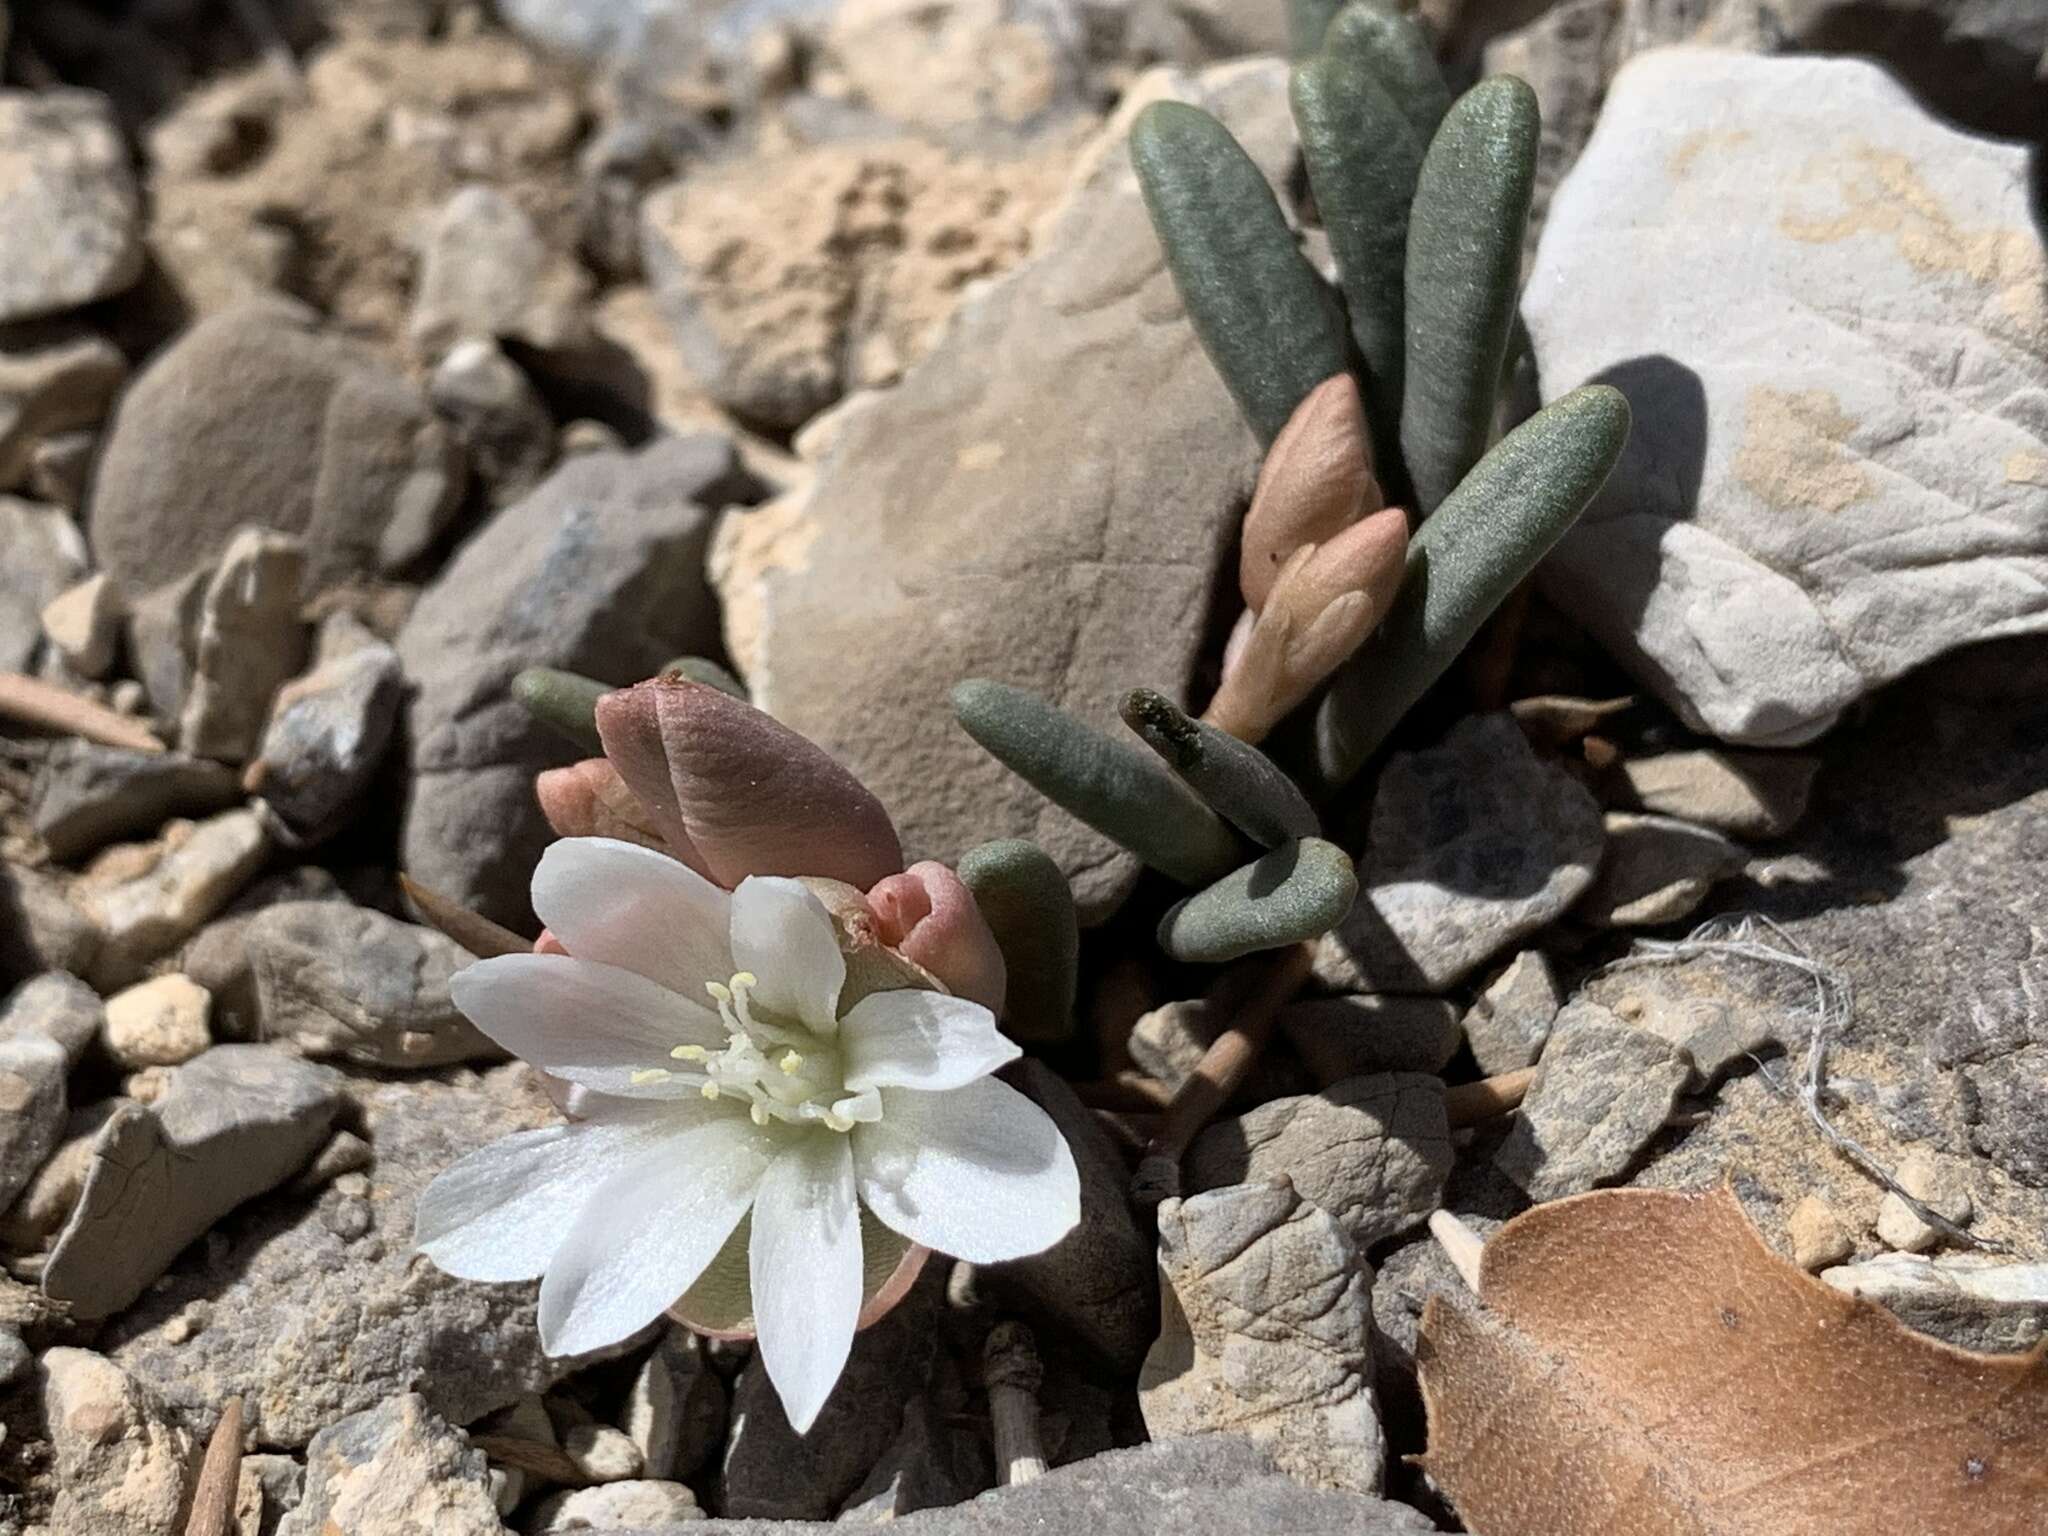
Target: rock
x=334, y=979
x=1970, y=1300
x=68, y=203
x=40, y=929
x=1095, y=1284
x=1767, y=552
x=15, y=1359
x=486, y=272
x=249, y=639
x=54, y=379
x=58, y=467
x=1210, y=1485
x=270, y=1487
x=1745, y=794
x=121, y=1467
x=635, y=1505
x=1509, y=1021
x=1266, y=1332
x=1703, y=1010
x=1603, y=1089
x=592, y=29
x=54, y=1006
x=601, y=1453
x=1473, y=844
x=327, y=735
x=237, y=1121
x=1935, y=1184
x=675, y=1409
x=33, y=1069
x=218, y=955
x=1372, y=1151
x=978, y=64
x=151, y=914
x=398, y=1469
x=163, y=637
x=599, y=571
x=45, y=556
x=84, y=623
x=158, y=1023
x=309, y=1325
x=1657, y=870
x=87, y=795
x=501, y=416
x=1819, y=1240
x=1105, y=583
x=254, y=417
x=48, y=1199
x=1167, y=1042
x=1343, y=1037
x=927, y=1466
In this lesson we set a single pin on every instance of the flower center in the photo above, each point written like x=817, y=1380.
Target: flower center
x=779, y=1069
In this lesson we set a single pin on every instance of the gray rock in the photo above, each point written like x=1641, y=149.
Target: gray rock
x=163, y=638
x=1509, y=1021
x=1372, y=1151
x=1657, y=870
x=53, y=380
x=84, y=624
x=33, y=1070
x=45, y=555
x=599, y=571
x=1603, y=1089
x=1105, y=584
x=248, y=640
x=1340, y=1037
x=500, y=415
x=1212, y=1485
x=334, y=979
x=54, y=1006
x=151, y=914
x=1768, y=552
x=327, y=735
x=270, y=1488
x=486, y=272
x=87, y=795
x=1970, y=1300
x=254, y=417
x=1167, y=1042
x=15, y=1359
x=70, y=219
x=40, y=929
x=1745, y=794
x=397, y=1469
x=48, y=1199
x=675, y=1409
x=309, y=1325
x=58, y=467
x=636, y=1505
x=121, y=1467
x=218, y=955
x=592, y=29
x=236, y=1122
x=931, y=1463
x=1474, y=843
x=1706, y=1006
x=1266, y=1332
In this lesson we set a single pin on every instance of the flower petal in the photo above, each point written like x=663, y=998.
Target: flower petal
x=978, y=1172
x=589, y=799
x=783, y=934
x=592, y=1024
x=916, y=1039
x=501, y=1212
x=648, y=1231
x=625, y=905
x=805, y=1268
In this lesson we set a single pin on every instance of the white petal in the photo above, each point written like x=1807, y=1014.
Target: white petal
x=804, y=1265
x=784, y=935
x=592, y=1024
x=501, y=1212
x=648, y=1231
x=625, y=905
x=917, y=1039
x=978, y=1172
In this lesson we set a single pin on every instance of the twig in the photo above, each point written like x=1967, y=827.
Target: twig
x=1011, y=1371
x=1736, y=937
x=213, y=1495
x=1274, y=978
x=1461, y=1245
x=48, y=708
x=1470, y=1103
x=472, y=930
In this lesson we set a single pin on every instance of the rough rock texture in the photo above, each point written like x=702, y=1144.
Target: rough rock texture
x=395, y=1470
x=54, y=1006
x=326, y=738
x=235, y=1122
x=311, y=1325
x=979, y=64
x=68, y=205
x=1167, y=1043
x=1372, y=1151
x=1745, y=794
x=1768, y=550
x=255, y=417
x=1603, y=1089
x=1509, y=1021
x=1474, y=843
x=45, y=555
x=248, y=639
x=1657, y=869
x=1340, y=1037
x=334, y=979
x=675, y=1410
x=600, y=571
x=634, y=1505
x=1971, y=1300
x=121, y=1467
x=194, y=875
x=83, y=623
x=157, y=1023
x=1105, y=583
x=1266, y=1332
x=88, y=795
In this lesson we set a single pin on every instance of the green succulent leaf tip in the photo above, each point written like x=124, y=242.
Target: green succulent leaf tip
x=1238, y=781
x=563, y=702
x=1029, y=906
x=1298, y=891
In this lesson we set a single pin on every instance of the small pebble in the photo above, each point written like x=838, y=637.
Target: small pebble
x=348, y=1219
x=1934, y=1184
x=15, y=1359
x=601, y=1453
x=148, y=1085
x=158, y=1023
x=1819, y=1237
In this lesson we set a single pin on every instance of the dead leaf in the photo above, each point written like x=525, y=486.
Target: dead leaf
x=1644, y=1365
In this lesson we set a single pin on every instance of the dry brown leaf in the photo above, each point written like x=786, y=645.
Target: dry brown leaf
x=1644, y=1365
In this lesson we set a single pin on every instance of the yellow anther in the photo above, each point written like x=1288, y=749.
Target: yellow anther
x=791, y=1063
x=745, y=979
x=837, y=1123
x=709, y=1090
x=690, y=1053
x=719, y=991
x=649, y=1075
x=759, y=1113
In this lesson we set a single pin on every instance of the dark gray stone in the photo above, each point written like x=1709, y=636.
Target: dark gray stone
x=1340, y=1037
x=87, y=795
x=33, y=1069
x=40, y=929
x=56, y=1006
x=326, y=739
x=1509, y=1021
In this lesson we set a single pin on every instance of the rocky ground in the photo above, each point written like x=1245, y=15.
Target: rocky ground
x=356, y=354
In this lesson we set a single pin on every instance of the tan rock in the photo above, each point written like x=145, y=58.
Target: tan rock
x=1819, y=1237
x=121, y=1465
x=197, y=873
x=84, y=624
x=161, y=1022
x=1934, y=1182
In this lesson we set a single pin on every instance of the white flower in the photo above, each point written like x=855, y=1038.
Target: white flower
x=720, y=1078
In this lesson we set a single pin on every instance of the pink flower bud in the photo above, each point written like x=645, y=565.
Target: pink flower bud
x=928, y=914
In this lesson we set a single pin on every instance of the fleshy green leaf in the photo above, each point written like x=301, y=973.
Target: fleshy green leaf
x=1240, y=783
x=1298, y=891
x=1028, y=905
